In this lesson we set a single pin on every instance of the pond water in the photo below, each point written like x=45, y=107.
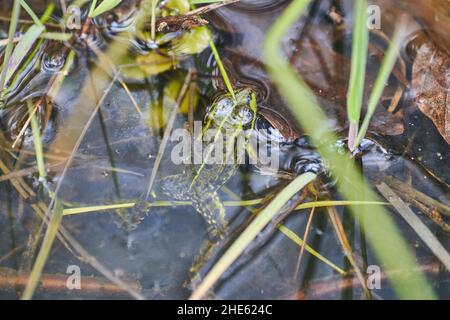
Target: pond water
x=122, y=117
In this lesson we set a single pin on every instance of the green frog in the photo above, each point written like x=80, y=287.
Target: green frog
x=199, y=183
x=232, y=116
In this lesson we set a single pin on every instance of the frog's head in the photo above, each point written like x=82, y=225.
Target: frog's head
x=230, y=112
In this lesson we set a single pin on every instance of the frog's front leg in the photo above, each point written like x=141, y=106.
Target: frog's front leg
x=211, y=208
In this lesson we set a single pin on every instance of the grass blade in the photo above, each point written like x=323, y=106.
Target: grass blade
x=47, y=13
x=382, y=78
x=44, y=251
x=9, y=47
x=355, y=93
x=37, y=143
x=419, y=227
x=105, y=6
x=222, y=70
x=300, y=242
x=92, y=8
x=22, y=48
x=240, y=203
x=57, y=36
x=30, y=11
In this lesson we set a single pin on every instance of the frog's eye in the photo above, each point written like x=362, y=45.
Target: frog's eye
x=244, y=116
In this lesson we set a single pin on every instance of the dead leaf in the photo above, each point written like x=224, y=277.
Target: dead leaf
x=435, y=16
x=431, y=86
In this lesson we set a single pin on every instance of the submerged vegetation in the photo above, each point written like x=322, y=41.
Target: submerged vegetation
x=93, y=93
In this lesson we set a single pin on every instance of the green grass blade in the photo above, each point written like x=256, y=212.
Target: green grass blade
x=47, y=13
x=355, y=93
x=9, y=47
x=50, y=234
x=105, y=6
x=299, y=241
x=381, y=80
x=57, y=36
x=92, y=8
x=385, y=238
x=23, y=47
x=240, y=203
x=30, y=11
x=222, y=70
x=216, y=54
x=39, y=150
x=73, y=211
x=338, y=203
x=30, y=56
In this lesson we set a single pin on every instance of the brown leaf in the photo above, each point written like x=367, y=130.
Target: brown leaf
x=431, y=86
x=434, y=15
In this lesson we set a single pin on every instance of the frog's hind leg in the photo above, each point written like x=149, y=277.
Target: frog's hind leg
x=209, y=205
